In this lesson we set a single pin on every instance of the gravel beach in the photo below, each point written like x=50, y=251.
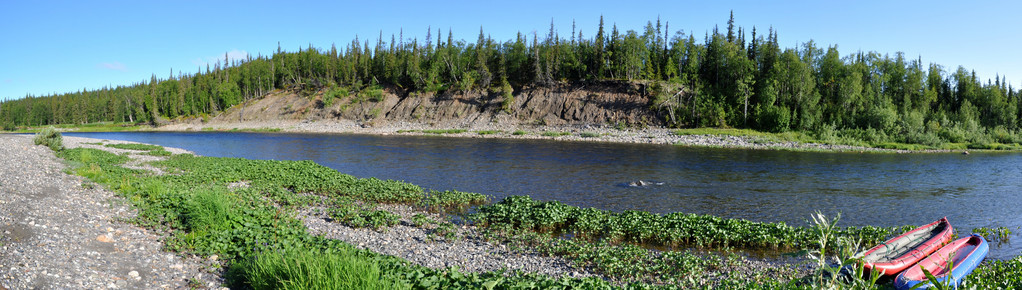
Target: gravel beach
x=59, y=231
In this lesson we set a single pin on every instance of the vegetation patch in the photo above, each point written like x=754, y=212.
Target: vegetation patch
x=487, y=132
x=51, y=138
x=444, y=131
x=644, y=228
x=449, y=200
x=310, y=269
x=134, y=146
x=555, y=134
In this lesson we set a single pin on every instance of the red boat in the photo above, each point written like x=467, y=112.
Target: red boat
x=895, y=255
x=954, y=262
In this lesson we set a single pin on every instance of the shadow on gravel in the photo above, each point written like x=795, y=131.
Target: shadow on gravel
x=39, y=193
x=17, y=233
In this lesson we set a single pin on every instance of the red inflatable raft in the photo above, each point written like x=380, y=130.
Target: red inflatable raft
x=895, y=255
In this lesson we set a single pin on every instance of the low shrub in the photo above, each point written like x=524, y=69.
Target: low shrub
x=50, y=137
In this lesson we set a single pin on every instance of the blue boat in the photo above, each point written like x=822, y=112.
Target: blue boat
x=952, y=262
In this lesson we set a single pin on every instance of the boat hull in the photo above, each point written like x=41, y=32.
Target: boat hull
x=895, y=255
x=963, y=255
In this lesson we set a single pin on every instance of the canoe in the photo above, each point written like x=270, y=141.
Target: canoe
x=895, y=255
x=963, y=255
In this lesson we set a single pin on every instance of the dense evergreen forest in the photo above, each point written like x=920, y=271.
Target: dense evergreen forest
x=732, y=78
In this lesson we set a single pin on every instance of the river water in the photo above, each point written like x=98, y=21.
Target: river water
x=976, y=190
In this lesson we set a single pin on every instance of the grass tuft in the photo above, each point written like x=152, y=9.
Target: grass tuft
x=308, y=269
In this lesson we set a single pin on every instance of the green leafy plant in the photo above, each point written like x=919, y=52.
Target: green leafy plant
x=1002, y=234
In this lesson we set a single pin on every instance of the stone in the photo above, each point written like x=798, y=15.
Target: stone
x=104, y=238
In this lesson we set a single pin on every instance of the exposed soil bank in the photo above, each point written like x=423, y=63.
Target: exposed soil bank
x=602, y=112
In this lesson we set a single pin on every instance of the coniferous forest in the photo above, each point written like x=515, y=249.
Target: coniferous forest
x=730, y=77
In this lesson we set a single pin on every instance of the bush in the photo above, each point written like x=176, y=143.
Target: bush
x=51, y=138
x=508, y=102
x=774, y=119
x=374, y=94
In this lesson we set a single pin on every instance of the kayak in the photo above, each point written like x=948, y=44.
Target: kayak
x=895, y=255
x=961, y=256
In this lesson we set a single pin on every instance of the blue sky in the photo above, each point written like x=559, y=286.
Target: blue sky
x=60, y=46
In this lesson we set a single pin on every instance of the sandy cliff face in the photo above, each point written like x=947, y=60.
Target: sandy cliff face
x=576, y=104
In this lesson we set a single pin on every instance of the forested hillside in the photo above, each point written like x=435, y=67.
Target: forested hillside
x=732, y=77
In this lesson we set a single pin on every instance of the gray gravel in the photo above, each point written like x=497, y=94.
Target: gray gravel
x=468, y=252
x=58, y=231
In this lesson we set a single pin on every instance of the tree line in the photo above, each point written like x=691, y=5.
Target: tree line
x=732, y=78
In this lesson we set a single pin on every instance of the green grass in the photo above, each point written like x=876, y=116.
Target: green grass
x=589, y=135
x=310, y=269
x=555, y=133
x=134, y=146
x=518, y=133
x=445, y=131
x=154, y=150
x=487, y=132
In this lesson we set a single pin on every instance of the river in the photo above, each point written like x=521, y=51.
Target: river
x=976, y=190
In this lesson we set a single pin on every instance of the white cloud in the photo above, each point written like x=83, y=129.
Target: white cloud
x=117, y=66
x=233, y=55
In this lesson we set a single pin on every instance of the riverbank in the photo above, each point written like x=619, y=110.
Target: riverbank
x=574, y=133
x=410, y=233
x=464, y=247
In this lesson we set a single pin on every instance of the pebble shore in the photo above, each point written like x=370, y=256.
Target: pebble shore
x=59, y=231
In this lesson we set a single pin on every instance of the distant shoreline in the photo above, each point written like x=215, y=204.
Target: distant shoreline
x=571, y=133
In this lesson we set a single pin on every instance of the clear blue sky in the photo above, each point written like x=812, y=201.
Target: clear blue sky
x=51, y=46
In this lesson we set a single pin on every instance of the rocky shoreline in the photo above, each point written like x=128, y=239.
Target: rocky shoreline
x=62, y=231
